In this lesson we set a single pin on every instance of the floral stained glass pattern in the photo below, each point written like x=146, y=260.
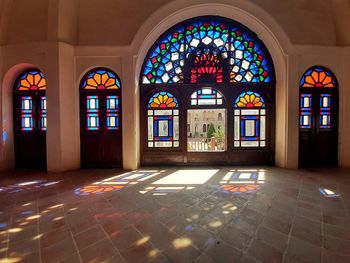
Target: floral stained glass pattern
x=31, y=80
x=250, y=100
x=163, y=120
x=246, y=58
x=101, y=79
x=318, y=77
x=162, y=100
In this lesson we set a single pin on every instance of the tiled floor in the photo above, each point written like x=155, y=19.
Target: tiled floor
x=176, y=215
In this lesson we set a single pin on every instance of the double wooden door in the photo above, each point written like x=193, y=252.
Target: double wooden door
x=318, y=137
x=101, y=137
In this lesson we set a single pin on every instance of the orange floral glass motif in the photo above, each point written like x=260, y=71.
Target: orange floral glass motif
x=250, y=100
x=32, y=80
x=239, y=189
x=97, y=189
x=162, y=100
x=318, y=77
x=101, y=79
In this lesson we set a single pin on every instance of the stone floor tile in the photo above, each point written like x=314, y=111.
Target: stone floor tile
x=98, y=252
x=89, y=237
x=264, y=252
x=302, y=251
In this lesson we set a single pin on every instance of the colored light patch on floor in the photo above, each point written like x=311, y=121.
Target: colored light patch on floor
x=116, y=183
x=27, y=186
x=242, y=181
x=187, y=177
x=328, y=193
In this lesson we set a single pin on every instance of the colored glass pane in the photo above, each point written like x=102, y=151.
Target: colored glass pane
x=100, y=79
x=163, y=100
x=31, y=80
x=305, y=111
x=43, y=113
x=27, y=113
x=318, y=77
x=244, y=55
x=325, y=111
x=206, y=96
x=250, y=100
x=92, y=117
x=112, y=106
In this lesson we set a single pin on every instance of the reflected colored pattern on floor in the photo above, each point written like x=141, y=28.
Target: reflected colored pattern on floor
x=183, y=215
x=27, y=186
x=242, y=181
x=116, y=183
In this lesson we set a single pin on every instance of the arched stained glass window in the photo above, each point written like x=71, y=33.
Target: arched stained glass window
x=250, y=120
x=101, y=79
x=163, y=120
x=321, y=78
x=206, y=96
x=318, y=77
x=31, y=80
x=212, y=49
x=318, y=119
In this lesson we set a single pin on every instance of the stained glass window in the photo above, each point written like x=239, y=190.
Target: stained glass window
x=100, y=79
x=206, y=96
x=31, y=80
x=305, y=111
x=27, y=113
x=322, y=78
x=250, y=120
x=163, y=121
x=112, y=105
x=318, y=77
x=92, y=107
x=43, y=113
x=223, y=50
x=325, y=111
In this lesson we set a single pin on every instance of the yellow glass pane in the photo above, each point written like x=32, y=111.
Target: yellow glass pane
x=30, y=79
x=110, y=82
x=165, y=98
x=314, y=75
x=89, y=87
x=327, y=80
x=329, y=85
x=25, y=83
x=92, y=82
x=240, y=104
x=154, y=105
x=97, y=78
x=307, y=85
x=309, y=80
x=42, y=83
x=259, y=104
x=243, y=100
x=37, y=78
x=169, y=100
x=322, y=76
x=156, y=100
x=104, y=78
x=251, y=98
x=172, y=105
x=112, y=87
x=256, y=100
x=22, y=88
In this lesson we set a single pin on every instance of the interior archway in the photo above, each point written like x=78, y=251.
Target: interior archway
x=209, y=53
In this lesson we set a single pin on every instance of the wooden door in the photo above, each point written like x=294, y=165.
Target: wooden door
x=30, y=129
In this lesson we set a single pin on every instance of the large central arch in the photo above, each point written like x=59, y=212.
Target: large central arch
x=213, y=55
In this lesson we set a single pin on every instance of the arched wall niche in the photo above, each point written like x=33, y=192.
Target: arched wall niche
x=7, y=159
x=250, y=16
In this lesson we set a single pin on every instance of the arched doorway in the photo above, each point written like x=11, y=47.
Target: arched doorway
x=318, y=132
x=29, y=109
x=100, y=119
x=208, y=54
